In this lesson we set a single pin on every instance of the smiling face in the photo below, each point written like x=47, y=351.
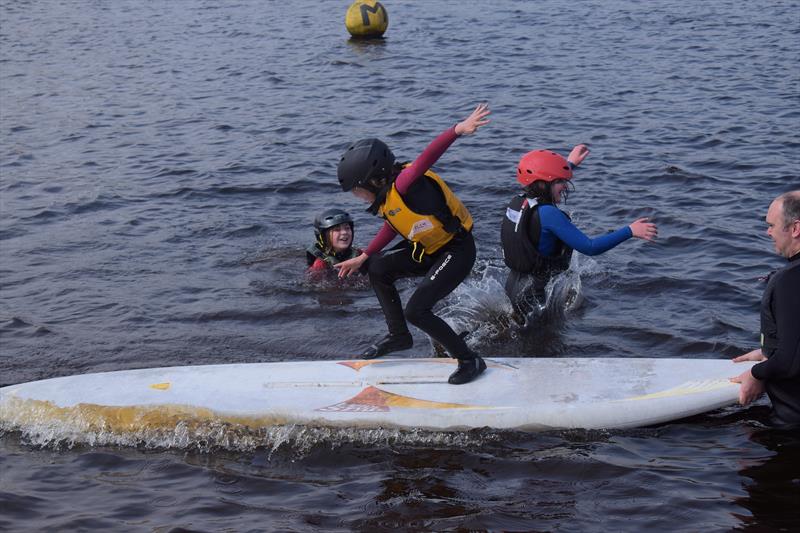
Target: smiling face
x=340, y=237
x=558, y=189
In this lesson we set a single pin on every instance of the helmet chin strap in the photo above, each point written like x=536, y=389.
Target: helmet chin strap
x=368, y=185
x=380, y=197
x=373, y=184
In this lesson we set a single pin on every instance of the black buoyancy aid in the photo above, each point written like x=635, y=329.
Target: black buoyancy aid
x=519, y=235
x=429, y=214
x=314, y=252
x=769, y=323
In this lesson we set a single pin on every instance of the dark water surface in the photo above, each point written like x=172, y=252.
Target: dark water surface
x=161, y=163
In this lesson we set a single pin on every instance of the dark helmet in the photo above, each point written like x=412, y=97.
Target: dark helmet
x=330, y=219
x=362, y=161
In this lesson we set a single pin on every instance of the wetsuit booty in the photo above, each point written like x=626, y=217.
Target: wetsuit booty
x=468, y=369
x=390, y=343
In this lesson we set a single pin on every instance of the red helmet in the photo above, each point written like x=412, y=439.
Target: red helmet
x=542, y=165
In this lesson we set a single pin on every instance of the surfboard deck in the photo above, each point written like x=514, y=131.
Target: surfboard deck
x=528, y=394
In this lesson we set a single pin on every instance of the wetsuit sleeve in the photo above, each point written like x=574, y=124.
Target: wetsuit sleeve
x=381, y=239
x=554, y=220
x=785, y=362
x=425, y=160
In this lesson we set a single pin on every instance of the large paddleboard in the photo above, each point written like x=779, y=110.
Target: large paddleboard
x=523, y=394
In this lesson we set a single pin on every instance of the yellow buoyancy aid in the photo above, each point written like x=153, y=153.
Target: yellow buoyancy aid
x=425, y=230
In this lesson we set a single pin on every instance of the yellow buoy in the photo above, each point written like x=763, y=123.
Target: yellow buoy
x=366, y=18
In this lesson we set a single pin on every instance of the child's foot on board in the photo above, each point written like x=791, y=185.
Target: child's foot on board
x=468, y=369
x=390, y=343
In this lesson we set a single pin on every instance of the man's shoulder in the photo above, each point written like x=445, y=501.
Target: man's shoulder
x=787, y=282
x=789, y=273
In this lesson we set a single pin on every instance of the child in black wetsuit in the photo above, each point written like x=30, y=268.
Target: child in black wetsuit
x=437, y=240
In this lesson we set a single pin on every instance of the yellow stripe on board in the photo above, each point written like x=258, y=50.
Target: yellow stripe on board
x=160, y=386
x=126, y=419
x=690, y=387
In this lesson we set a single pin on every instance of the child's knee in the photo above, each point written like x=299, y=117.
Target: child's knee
x=416, y=314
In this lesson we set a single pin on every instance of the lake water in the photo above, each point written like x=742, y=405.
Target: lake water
x=160, y=166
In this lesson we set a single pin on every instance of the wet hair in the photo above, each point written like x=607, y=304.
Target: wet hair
x=376, y=184
x=791, y=207
x=543, y=191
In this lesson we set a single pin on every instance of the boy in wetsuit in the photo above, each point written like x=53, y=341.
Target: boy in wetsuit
x=437, y=245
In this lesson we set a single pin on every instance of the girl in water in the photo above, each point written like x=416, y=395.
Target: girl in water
x=538, y=238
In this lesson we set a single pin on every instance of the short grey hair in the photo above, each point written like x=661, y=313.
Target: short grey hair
x=791, y=207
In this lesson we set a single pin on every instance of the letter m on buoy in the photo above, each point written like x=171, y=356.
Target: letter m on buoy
x=366, y=9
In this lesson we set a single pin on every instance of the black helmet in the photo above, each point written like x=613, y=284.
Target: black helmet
x=327, y=220
x=362, y=161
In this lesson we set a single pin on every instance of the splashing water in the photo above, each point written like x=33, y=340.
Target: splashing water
x=298, y=440
x=480, y=306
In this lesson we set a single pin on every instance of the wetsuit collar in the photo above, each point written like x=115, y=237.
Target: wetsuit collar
x=795, y=257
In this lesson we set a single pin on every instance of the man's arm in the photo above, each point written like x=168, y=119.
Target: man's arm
x=785, y=362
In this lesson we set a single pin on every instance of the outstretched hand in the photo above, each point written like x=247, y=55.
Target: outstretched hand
x=578, y=154
x=642, y=229
x=350, y=266
x=470, y=125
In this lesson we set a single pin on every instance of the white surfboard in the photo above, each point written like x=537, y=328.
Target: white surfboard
x=523, y=394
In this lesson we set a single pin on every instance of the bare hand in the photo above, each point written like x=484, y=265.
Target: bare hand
x=351, y=265
x=470, y=125
x=755, y=355
x=578, y=154
x=642, y=229
x=750, y=389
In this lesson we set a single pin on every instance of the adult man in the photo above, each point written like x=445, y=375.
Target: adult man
x=779, y=370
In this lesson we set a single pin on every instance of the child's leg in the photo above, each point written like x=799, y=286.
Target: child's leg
x=450, y=268
x=384, y=270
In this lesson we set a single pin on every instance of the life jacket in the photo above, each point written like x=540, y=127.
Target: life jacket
x=769, y=324
x=315, y=252
x=429, y=215
x=519, y=235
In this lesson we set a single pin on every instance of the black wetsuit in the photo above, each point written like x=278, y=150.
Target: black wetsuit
x=444, y=270
x=780, y=343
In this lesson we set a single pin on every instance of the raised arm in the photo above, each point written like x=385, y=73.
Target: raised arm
x=439, y=146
